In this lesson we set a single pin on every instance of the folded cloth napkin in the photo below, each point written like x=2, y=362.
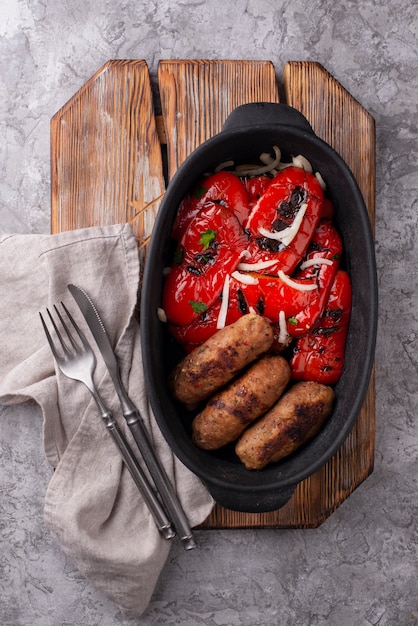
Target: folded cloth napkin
x=92, y=505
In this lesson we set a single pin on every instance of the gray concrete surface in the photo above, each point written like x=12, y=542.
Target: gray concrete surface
x=360, y=567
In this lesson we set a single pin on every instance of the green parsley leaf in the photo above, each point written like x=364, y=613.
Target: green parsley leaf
x=206, y=238
x=178, y=256
x=198, y=307
x=199, y=192
x=293, y=321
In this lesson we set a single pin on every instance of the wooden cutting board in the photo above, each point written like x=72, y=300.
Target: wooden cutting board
x=111, y=158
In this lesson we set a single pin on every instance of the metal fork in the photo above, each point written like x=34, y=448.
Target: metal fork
x=76, y=359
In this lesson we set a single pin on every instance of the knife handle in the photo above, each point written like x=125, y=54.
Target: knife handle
x=141, y=481
x=160, y=478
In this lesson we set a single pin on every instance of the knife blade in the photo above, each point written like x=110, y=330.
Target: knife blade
x=133, y=418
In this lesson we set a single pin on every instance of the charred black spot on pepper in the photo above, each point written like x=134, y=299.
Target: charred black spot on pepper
x=271, y=245
x=334, y=314
x=279, y=225
x=206, y=258
x=209, y=256
x=325, y=332
x=314, y=246
x=288, y=208
x=286, y=211
x=242, y=302
x=260, y=305
x=197, y=271
x=204, y=316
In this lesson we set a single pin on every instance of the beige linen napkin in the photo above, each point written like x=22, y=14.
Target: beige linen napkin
x=92, y=505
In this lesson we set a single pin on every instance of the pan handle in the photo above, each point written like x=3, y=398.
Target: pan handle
x=259, y=114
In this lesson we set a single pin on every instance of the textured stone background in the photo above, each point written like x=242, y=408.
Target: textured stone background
x=360, y=567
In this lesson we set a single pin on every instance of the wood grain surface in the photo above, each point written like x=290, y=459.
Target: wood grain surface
x=107, y=168
x=106, y=161
x=198, y=96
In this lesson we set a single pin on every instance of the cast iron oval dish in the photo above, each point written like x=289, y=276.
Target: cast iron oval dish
x=250, y=130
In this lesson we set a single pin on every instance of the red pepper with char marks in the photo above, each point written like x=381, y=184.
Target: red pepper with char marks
x=256, y=186
x=283, y=221
x=222, y=187
x=209, y=250
x=325, y=248
x=267, y=296
x=319, y=355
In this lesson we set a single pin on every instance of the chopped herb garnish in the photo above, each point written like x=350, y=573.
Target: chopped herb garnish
x=178, y=256
x=198, y=307
x=293, y=321
x=206, y=238
x=199, y=192
x=336, y=257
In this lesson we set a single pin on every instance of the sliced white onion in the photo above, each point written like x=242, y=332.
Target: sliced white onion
x=224, y=165
x=265, y=157
x=292, y=283
x=263, y=169
x=246, y=279
x=320, y=181
x=271, y=234
x=316, y=261
x=224, y=306
x=255, y=267
x=283, y=332
x=286, y=235
x=161, y=314
x=302, y=162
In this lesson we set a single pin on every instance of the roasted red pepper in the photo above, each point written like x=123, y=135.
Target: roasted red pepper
x=328, y=210
x=292, y=196
x=267, y=297
x=227, y=221
x=325, y=244
x=319, y=355
x=256, y=186
x=209, y=250
x=223, y=187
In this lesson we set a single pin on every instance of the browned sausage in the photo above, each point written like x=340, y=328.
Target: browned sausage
x=294, y=419
x=228, y=412
x=210, y=366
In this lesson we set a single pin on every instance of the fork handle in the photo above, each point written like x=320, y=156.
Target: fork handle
x=141, y=481
x=160, y=478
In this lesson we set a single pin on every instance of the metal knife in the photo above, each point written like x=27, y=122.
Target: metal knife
x=133, y=419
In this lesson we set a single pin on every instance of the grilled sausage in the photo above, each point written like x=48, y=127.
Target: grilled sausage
x=213, y=364
x=294, y=419
x=228, y=412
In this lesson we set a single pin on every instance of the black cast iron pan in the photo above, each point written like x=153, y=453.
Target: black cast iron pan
x=250, y=130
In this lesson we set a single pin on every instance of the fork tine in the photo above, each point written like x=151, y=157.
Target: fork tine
x=59, y=335
x=76, y=327
x=64, y=325
x=48, y=336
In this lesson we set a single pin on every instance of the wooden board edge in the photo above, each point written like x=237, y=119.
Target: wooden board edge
x=55, y=129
